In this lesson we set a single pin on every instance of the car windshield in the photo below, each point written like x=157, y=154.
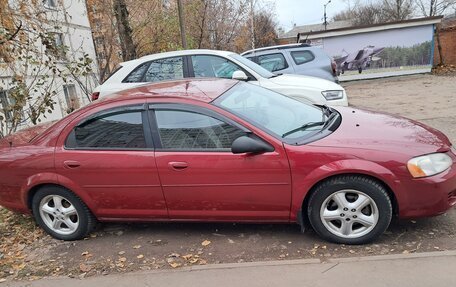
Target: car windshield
x=275, y=113
x=252, y=66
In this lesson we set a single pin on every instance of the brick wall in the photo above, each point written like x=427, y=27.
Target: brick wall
x=448, y=43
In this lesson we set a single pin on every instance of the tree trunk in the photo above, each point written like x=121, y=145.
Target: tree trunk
x=182, y=24
x=125, y=32
x=439, y=46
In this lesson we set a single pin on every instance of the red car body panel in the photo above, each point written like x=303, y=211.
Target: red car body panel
x=221, y=186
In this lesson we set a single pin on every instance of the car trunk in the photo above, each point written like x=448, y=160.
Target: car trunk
x=24, y=136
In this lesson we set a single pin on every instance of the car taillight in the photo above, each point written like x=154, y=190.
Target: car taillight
x=95, y=96
x=334, y=67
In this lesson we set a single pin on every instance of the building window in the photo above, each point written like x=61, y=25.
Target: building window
x=71, y=98
x=5, y=102
x=7, y=106
x=50, y=3
x=57, y=47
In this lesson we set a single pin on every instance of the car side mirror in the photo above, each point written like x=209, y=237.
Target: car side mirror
x=239, y=75
x=247, y=144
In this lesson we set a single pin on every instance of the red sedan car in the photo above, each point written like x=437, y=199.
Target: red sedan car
x=221, y=150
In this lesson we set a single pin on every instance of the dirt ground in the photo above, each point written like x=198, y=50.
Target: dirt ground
x=26, y=253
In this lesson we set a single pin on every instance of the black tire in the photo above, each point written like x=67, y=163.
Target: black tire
x=360, y=70
x=362, y=184
x=86, y=220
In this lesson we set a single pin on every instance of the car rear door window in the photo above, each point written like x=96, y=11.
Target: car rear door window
x=185, y=130
x=273, y=62
x=118, y=130
x=212, y=66
x=302, y=57
x=165, y=69
x=137, y=75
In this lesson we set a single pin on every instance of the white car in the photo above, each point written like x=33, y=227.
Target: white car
x=219, y=64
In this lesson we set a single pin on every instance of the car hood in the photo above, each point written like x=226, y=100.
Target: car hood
x=365, y=129
x=305, y=82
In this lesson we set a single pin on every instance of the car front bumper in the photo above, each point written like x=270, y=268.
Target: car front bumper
x=429, y=196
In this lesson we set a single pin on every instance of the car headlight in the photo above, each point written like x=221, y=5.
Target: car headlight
x=333, y=95
x=428, y=165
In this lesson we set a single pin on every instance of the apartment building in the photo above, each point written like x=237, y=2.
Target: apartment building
x=68, y=24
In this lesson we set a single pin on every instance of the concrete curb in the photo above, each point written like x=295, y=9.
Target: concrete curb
x=314, y=261
x=330, y=263
x=290, y=262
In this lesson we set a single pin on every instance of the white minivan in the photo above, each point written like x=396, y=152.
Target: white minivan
x=219, y=64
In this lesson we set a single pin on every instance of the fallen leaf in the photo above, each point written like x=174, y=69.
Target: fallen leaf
x=140, y=256
x=205, y=243
x=174, y=264
x=2, y=280
x=122, y=259
x=121, y=253
x=136, y=246
x=85, y=253
x=405, y=252
x=188, y=256
x=84, y=267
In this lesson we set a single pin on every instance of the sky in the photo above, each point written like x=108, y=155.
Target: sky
x=303, y=12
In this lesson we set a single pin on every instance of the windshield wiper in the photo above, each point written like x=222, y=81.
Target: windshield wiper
x=313, y=124
x=275, y=75
x=304, y=127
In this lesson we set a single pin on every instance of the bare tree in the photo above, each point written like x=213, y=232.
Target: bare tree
x=397, y=10
x=431, y=8
x=125, y=31
x=375, y=12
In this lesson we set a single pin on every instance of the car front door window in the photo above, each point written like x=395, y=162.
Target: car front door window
x=185, y=130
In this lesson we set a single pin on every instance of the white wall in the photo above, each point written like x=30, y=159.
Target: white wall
x=73, y=23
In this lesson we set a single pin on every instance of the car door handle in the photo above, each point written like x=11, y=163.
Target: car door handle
x=71, y=164
x=178, y=165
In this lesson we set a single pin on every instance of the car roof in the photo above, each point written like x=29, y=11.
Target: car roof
x=278, y=47
x=200, y=89
x=179, y=53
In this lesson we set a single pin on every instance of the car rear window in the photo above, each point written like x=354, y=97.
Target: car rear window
x=302, y=57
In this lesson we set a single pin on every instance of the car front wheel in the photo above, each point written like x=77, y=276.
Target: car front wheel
x=62, y=214
x=350, y=210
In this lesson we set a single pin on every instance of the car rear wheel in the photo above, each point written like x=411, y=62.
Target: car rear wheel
x=350, y=210
x=62, y=214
